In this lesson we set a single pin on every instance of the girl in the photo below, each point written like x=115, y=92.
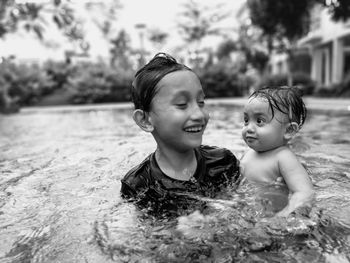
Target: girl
x=169, y=104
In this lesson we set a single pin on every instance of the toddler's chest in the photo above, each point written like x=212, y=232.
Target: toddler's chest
x=260, y=169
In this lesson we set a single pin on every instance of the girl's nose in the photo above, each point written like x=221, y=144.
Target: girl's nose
x=199, y=113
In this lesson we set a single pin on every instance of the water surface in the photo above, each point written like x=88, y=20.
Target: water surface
x=60, y=181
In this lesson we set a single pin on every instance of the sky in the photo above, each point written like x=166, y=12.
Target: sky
x=163, y=14
x=159, y=14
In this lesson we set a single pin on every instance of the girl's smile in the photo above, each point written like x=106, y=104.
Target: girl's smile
x=178, y=113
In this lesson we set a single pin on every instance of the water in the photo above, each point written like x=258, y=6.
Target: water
x=60, y=182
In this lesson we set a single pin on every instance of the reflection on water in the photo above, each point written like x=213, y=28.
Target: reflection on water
x=59, y=195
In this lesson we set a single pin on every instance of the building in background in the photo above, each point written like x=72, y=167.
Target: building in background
x=328, y=43
x=324, y=53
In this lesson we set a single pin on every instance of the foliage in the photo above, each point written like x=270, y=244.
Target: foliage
x=157, y=37
x=339, y=9
x=247, y=45
x=344, y=89
x=282, y=20
x=197, y=21
x=96, y=83
x=60, y=72
x=218, y=80
x=31, y=17
x=257, y=58
x=225, y=48
x=336, y=90
x=105, y=16
x=120, y=50
x=300, y=79
x=25, y=83
x=251, y=43
x=11, y=14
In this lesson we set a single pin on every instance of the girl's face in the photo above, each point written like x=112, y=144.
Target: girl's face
x=261, y=131
x=178, y=113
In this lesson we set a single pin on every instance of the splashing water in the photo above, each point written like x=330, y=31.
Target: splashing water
x=60, y=202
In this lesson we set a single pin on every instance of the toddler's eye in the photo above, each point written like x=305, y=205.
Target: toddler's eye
x=260, y=121
x=201, y=103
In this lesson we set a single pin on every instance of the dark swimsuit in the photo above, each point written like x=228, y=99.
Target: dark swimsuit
x=148, y=185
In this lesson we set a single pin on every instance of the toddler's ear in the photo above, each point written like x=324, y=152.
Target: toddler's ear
x=142, y=120
x=291, y=129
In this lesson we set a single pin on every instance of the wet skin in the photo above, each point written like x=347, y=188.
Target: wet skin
x=178, y=113
x=269, y=157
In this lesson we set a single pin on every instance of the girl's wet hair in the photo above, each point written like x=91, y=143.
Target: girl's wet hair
x=146, y=79
x=285, y=99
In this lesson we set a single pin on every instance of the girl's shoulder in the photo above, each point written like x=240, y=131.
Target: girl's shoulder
x=218, y=164
x=216, y=153
x=139, y=176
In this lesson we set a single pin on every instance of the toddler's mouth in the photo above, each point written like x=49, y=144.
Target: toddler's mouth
x=250, y=138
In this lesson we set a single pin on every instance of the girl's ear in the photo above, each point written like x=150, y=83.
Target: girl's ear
x=291, y=129
x=142, y=120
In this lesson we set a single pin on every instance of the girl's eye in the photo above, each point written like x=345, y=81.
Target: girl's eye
x=181, y=105
x=245, y=120
x=201, y=103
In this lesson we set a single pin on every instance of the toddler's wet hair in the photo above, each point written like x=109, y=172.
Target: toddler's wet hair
x=146, y=79
x=285, y=99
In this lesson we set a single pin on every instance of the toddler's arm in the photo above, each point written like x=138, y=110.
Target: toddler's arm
x=297, y=180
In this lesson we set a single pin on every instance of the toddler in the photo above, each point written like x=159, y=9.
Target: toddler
x=272, y=116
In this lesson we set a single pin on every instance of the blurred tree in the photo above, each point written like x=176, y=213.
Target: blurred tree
x=105, y=16
x=120, y=50
x=30, y=16
x=251, y=43
x=339, y=9
x=229, y=55
x=280, y=19
x=36, y=18
x=226, y=48
x=196, y=22
x=157, y=37
x=284, y=22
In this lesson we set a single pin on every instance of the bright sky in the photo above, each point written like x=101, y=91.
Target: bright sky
x=162, y=14
x=159, y=14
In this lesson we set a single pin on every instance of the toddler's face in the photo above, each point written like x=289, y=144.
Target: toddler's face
x=261, y=131
x=178, y=113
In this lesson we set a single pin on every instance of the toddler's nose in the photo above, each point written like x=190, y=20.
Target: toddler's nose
x=250, y=127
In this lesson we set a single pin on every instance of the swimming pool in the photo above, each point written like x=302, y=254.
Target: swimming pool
x=59, y=194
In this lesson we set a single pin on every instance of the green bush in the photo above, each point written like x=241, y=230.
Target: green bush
x=96, y=83
x=324, y=91
x=87, y=82
x=25, y=83
x=341, y=89
x=222, y=81
x=336, y=90
x=60, y=72
x=300, y=79
x=344, y=89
